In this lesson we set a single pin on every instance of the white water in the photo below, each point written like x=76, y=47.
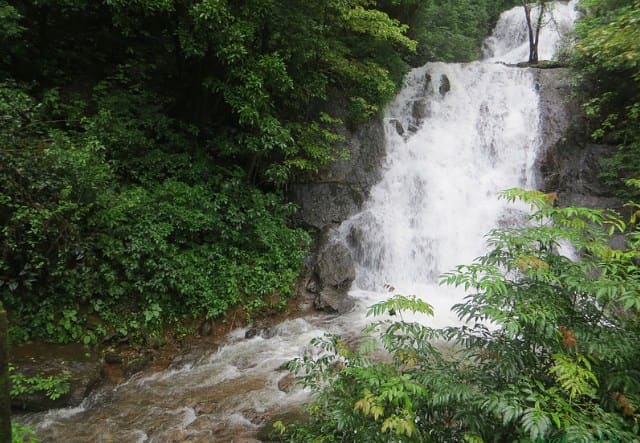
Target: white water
x=436, y=200
x=438, y=196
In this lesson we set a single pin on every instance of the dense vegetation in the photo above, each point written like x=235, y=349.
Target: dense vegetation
x=146, y=146
x=550, y=350
x=607, y=60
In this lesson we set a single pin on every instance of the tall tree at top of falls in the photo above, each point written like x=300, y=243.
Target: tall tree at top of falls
x=534, y=31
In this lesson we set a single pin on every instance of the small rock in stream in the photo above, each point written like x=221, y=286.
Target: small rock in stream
x=262, y=332
x=287, y=383
x=206, y=328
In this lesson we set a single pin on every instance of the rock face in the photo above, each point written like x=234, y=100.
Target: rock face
x=569, y=164
x=340, y=190
x=336, y=194
x=332, y=276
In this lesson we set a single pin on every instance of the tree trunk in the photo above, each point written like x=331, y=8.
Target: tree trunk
x=5, y=401
x=537, y=36
x=534, y=36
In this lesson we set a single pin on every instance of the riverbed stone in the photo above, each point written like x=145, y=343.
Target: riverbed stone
x=287, y=383
x=445, y=85
x=335, y=267
x=260, y=332
x=136, y=363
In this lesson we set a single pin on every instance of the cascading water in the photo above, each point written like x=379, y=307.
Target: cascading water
x=456, y=134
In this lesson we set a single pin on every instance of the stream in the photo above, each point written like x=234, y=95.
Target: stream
x=456, y=134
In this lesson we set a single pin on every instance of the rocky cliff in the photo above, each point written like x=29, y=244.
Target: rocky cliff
x=340, y=190
x=569, y=163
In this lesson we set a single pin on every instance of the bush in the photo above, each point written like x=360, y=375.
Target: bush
x=97, y=241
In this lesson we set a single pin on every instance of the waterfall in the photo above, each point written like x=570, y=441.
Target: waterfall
x=455, y=135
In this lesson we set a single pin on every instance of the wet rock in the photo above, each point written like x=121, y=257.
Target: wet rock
x=427, y=82
x=340, y=189
x=334, y=301
x=569, y=163
x=83, y=366
x=412, y=128
x=335, y=267
x=397, y=125
x=334, y=272
x=206, y=328
x=445, y=85
x=261, y=332
x=287, y=383
x=136, y=363
x=419, y=112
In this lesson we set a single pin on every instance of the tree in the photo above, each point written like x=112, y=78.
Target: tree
x=5, y=400
x=533, y=30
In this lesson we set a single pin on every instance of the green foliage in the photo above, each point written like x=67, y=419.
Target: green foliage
x=54, y=386
x=147, y=146
x=110, y=237
x=548, y=349
x=454, y=30
x=607, y=58
x=22, y=434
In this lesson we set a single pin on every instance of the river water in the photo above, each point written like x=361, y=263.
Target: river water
x=455, y=135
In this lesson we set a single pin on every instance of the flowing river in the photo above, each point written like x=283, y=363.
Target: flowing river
x=455, y=135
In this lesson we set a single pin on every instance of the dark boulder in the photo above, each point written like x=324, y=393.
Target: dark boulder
x=445, y=85
x=333, y=274
x=397, y=125
x=259, y=332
